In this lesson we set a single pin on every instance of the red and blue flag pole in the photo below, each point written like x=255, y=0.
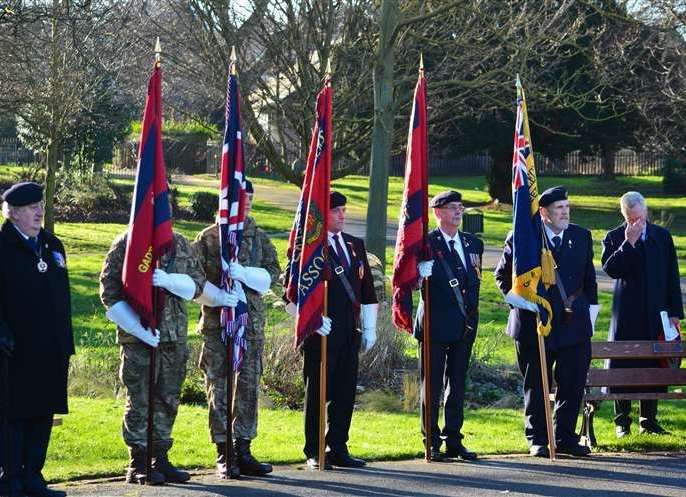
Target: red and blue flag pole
x=150, y=230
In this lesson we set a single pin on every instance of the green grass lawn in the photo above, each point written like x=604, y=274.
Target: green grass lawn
x=88, y=444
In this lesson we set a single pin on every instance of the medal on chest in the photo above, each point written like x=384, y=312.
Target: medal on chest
x=42, y=265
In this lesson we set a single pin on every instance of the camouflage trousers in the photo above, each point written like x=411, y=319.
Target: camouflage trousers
x=170, y=371
x=213, y=365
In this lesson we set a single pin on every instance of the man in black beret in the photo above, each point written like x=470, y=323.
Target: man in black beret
x=350, y=326
x=36, y=339
x=454, y=283
x=573, y=300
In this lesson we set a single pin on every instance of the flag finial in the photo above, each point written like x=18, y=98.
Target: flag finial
x=421, y=62
x=158, y=50
x=328, y=68
x=518, y=82
x=233, y=61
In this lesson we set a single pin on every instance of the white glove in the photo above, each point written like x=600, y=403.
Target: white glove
x=520, y=302
x=425, y=268
x=213, y=296
x=369, y=313
x=256, y=278
x=179, y=284
x=291, y=309
x=326, y=326
x=123, y=315
x=593, y=310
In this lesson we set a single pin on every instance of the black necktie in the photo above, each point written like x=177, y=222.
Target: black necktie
x=557, y=243
x=453, y=251
x=33, y=242
x=341, y=254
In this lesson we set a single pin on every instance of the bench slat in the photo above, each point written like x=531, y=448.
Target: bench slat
x=635, y=396
x=637, y=350
x=638, y=377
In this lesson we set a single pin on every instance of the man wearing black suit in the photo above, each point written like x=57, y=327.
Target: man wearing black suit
x=454, y=281
x=568, y=346
x=351, y=324
x=641, y=257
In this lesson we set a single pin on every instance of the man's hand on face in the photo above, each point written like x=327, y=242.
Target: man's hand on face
x=633, y=231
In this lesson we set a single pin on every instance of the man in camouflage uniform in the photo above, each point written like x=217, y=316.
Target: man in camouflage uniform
x=182, y=277
x=257, y=269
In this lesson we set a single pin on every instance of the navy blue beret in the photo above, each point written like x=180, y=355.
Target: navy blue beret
x=248, y=186
x=24, y=193
x=445, y=198
x=552, y=195
x=337, y=199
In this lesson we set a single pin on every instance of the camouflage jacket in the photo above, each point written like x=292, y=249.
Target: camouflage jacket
x=256, y=251
x=173, y=324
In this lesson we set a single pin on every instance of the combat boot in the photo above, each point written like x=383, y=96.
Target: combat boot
x=247, y=462
x=234, y=470
x=162, y=464
x=136, y=473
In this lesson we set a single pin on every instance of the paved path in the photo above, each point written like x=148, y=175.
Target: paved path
x=608, y=475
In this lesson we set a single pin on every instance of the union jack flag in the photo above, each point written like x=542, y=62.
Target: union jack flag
x=522, y=147
x=231, y=218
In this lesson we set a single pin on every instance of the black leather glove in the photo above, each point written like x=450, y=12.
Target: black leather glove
x=6, y=344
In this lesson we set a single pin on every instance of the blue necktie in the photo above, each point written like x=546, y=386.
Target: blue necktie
x=341, y=254
x=33, y=242
x=557, y=242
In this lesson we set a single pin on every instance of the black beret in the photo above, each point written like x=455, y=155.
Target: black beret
x=445, y=198
x=552, y=195
x=337, y=199
x=248, y=186
x=24, y=193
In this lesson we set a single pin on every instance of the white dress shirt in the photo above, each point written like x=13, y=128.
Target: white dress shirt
x=332, y=244
x=549, y=233
x=458, y=244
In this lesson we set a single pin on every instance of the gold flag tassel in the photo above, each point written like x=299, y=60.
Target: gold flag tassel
x=547, y=263
x=525, y=286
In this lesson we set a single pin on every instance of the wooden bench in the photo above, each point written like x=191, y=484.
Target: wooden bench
x=629, y=377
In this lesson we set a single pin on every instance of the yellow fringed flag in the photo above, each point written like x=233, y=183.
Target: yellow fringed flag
x=533, y=265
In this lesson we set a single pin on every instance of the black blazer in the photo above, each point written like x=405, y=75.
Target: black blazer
x=576, y=270
x=35, y=309
x=446, y=320
x=647, y=282
x=344, y=314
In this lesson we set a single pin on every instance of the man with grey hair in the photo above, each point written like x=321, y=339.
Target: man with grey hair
x=641, y=257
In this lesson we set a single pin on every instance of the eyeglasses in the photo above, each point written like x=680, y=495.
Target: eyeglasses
x=453, y=207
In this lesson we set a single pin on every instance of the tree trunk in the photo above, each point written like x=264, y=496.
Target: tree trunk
x=500, y=176
x=51, y=167
x=382, y=133
x=607, y=161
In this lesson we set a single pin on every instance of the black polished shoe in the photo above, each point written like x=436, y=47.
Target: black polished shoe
x=652, y=428
x=35, y=486
x=436, y=455
x=344, y=460
x=313, y=464
x=576, y=450
x=460, y=451
x=539, y=451
x=622, y=431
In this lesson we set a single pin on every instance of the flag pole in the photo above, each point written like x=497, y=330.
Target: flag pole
x=153, y=355
x=323, y=367
x=230, y=380
x=426, y=322
x=546, y=396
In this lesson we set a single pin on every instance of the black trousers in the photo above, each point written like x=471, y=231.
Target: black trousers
x=27, y=442
x=449, y=363
x=342, y=364
x=647, y=409
x=568, y=367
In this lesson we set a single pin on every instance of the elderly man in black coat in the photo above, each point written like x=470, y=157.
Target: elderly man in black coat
x=641, y=257
x=454, y=283
x=568, y=346
x=35, y=339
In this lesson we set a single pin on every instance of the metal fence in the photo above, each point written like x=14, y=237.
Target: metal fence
x=13, y=152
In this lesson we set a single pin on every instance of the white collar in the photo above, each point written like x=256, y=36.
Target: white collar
x=332, y=234
x=551, y=235
x=26, y=237
x=447, y=237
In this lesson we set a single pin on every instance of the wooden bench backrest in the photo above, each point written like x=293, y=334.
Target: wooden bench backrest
x=637, y=350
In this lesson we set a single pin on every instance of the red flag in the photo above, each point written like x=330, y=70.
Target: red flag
x=410, y=244
x=308, y=239
x=150, y=225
